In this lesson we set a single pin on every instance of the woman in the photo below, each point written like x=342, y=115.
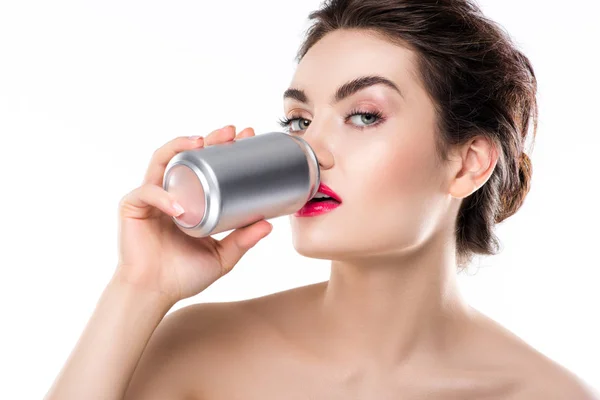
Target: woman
x=418, y=113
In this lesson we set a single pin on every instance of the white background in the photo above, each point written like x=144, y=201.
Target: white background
x=88, y=90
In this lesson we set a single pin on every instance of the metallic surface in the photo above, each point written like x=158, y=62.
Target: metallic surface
x=246, y=180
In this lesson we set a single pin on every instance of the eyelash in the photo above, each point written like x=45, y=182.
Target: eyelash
x=286, y=122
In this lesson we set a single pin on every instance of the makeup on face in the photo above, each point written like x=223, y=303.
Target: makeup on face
x=323, y=202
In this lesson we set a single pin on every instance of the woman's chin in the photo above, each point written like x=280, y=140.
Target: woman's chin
x=316, y=245
x=327, y=240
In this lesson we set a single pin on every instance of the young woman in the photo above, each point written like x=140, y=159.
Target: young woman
x=418, y=113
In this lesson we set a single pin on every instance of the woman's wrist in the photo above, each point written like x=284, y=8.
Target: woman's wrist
x=130, y=293
x=130, y=288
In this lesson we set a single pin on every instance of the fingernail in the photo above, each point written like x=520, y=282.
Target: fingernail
x=229, y=126
x=178, y=208
x=195, y=137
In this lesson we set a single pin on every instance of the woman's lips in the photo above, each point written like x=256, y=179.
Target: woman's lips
x=326, y=190
x=317, y=207
x=313, y=208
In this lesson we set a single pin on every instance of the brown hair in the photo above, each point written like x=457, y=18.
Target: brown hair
x=479, y=82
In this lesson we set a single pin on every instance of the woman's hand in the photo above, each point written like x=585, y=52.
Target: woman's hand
x=156, y=256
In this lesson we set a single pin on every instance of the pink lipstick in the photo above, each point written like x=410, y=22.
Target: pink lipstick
x=324, y=201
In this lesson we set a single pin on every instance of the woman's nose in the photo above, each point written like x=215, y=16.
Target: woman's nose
x=318, y=142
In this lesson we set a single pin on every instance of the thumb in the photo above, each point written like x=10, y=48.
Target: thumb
x=233, y=246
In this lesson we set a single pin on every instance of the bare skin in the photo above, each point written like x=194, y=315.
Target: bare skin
x=273, y=347
x=390, y=322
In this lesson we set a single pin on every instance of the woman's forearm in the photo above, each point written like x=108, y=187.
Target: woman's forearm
x=104, y=359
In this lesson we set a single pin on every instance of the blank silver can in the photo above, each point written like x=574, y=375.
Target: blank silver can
x=235, y=184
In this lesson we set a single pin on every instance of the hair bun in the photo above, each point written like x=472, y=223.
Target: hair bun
x=525, y=171
x=512, y=201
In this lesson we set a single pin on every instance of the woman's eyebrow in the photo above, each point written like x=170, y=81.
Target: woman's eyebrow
x=347, y=89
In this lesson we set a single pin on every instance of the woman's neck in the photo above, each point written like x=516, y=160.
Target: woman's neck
x=388, y=310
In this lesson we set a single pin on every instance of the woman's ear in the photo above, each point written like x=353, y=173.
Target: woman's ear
x=472, y=165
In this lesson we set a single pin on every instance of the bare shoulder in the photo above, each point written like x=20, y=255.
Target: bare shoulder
x=538, y=376
x=169, y=364
x=554, y=382
x=550, y=380
x=193, y=345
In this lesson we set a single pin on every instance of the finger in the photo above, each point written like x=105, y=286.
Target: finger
x=215, y=133
x=141, y=202
x=233, y=247
x=222, y=135
x=162, y=156
x=247, y=132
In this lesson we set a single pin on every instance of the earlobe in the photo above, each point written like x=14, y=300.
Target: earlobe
x=463, y=187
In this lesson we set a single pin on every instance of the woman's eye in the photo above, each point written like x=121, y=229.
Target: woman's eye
x=300, y=121
x=366, y=118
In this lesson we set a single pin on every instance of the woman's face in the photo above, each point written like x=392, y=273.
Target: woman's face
x=385, y=173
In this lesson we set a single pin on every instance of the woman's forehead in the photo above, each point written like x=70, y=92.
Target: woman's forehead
x=345, y=55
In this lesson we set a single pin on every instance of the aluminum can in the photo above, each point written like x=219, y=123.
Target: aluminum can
x=237, y=183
